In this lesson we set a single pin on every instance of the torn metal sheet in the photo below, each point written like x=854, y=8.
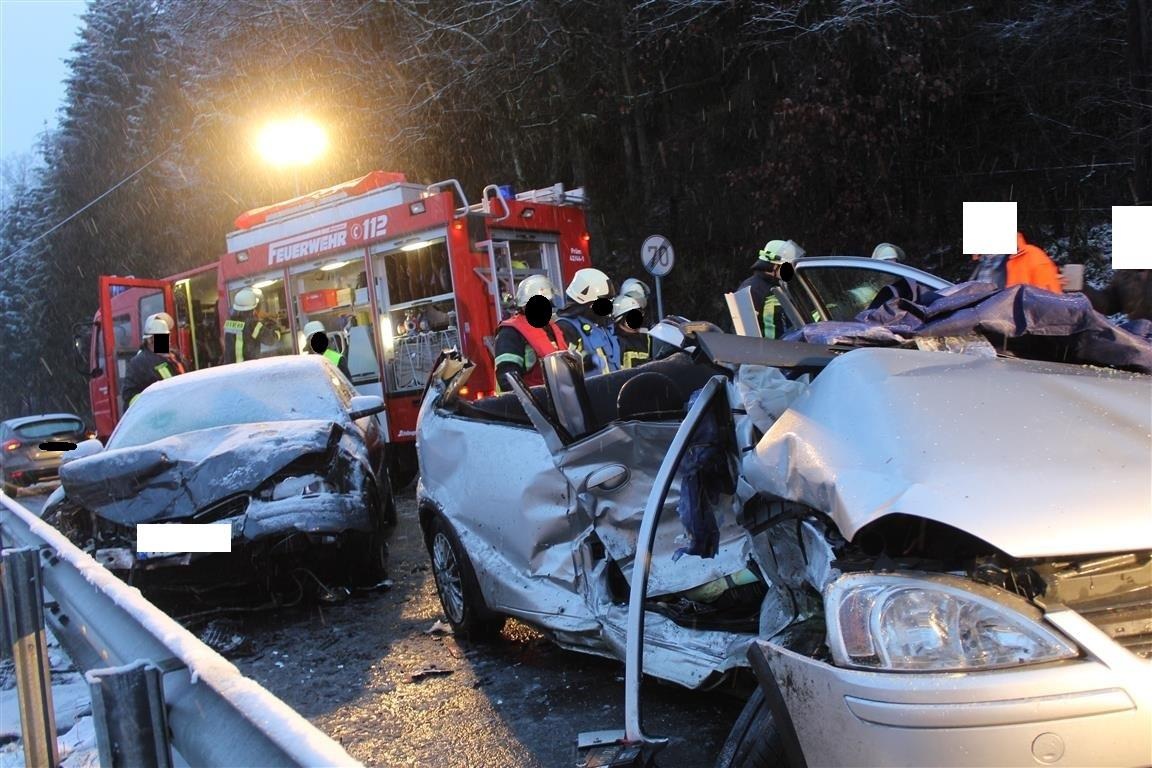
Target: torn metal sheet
x=980, y=444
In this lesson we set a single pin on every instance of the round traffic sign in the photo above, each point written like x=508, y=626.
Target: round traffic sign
x=657, y=255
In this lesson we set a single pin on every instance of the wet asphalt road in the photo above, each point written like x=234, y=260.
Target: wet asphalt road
x=369, y=674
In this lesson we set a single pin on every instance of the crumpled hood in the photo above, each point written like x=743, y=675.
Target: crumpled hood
x=1037, y=459
x=173, y=478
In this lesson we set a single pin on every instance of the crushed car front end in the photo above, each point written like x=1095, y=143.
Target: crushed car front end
x=297, y=495
x=974, y=574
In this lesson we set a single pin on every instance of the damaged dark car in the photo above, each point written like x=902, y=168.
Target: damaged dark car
x=283, y=450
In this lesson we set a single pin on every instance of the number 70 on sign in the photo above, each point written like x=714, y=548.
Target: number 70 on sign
x=657, y=255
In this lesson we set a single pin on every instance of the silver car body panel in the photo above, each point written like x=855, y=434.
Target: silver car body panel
x=886, y=431
x=1087, y=712
x=534, y=560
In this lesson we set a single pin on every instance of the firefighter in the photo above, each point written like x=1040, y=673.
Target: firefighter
x=772, y=268
x=587, y=321
x=148, y=366
x=172, y=337
x=632, y=336
x=316, y=342
x=244, y=332
x=638, y=290
x=529, y=334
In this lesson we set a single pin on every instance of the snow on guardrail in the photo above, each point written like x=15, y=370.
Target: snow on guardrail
x=217, y=716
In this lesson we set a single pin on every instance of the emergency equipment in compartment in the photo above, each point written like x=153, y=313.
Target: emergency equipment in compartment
x=395, y=271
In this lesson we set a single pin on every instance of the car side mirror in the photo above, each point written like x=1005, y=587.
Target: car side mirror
x=83, y=450
x=365, y=405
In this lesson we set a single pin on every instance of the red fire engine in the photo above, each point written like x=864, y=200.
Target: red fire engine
x=395, y=271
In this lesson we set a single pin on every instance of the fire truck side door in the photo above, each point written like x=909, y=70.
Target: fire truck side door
x=125, y=302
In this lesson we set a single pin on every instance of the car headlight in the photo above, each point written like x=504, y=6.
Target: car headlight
x=934, y=623
x=301, y=485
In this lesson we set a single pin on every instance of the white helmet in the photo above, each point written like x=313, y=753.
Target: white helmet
x=623, y=304
x=636, y=288
x=167, y=318
x=589, y=284
x=247, y=299
x=888, y=252
x=313, y=326
x=155, y=324
x=534, y=285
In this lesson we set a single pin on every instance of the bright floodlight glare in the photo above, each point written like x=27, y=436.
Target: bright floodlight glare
x=296, y=141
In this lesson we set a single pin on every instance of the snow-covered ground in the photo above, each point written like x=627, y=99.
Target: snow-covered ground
x=77, y=734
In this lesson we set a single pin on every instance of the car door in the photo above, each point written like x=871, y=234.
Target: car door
x=840, y=287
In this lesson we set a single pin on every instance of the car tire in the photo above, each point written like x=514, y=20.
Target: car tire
x=457, y=587
x=368, y=564
x=754, y=741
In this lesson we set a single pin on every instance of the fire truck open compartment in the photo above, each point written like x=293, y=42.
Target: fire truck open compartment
x=395, y=272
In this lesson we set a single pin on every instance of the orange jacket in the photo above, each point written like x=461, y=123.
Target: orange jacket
x=1031, y=266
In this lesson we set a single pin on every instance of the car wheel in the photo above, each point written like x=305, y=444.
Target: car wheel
x=368, y=564
x=457, y=586
x=754, y=741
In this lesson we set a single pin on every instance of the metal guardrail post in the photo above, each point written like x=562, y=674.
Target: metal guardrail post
x=23, y=604
x=130, y=715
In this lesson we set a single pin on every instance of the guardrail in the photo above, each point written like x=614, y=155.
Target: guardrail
x=217, y=717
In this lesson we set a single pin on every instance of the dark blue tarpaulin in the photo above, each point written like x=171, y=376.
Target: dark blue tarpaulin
x=1023, y=321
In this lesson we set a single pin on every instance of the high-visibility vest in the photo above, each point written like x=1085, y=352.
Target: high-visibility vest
x=540, y=343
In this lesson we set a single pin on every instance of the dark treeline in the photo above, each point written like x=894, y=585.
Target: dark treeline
x=719, y=123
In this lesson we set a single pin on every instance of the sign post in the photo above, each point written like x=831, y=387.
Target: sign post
x=657, y=256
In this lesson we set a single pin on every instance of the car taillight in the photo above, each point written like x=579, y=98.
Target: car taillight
x=11, y=445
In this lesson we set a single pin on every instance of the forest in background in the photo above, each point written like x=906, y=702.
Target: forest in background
x=718, y=123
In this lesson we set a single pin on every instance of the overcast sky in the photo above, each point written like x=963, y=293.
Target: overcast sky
x=35, y=37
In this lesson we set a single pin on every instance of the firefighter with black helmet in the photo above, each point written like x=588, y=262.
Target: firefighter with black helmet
x=244, y=332
x=529, y=334
x=149, y=366
x=587, y=321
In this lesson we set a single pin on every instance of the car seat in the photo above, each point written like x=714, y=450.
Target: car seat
x=650, y=396
x=564, y=382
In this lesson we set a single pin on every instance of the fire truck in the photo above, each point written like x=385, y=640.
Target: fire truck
x=395, y=271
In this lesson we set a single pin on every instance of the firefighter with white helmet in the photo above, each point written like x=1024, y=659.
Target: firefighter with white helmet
x=587, y=321
x=149, y=365
x=773, y=266
x=631, y=335
x=316, y=342
x=529, y=334
x=638, y=290
x=244, y=332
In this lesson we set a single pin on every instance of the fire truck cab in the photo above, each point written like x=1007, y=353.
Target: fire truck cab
x=395, y=272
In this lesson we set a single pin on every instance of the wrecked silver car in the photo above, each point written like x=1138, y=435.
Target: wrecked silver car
x=283, y=449
x=925, y=557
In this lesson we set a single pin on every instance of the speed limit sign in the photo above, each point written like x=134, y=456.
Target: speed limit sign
x=657, y=256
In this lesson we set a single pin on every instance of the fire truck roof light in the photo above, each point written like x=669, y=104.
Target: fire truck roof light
x=527, y=213
x=416, y=245
x=333, y=265
x=417, y=207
